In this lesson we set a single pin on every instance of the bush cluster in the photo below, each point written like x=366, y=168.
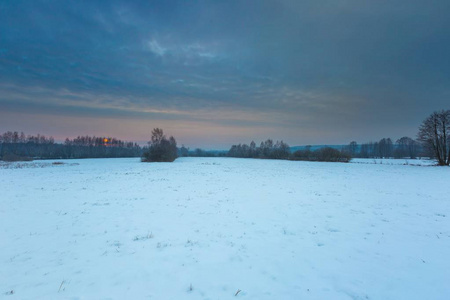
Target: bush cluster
x=323, y=154
x=160, y=148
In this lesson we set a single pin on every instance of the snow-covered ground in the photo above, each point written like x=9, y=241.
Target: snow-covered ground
x=222, y=228
x=405, y=161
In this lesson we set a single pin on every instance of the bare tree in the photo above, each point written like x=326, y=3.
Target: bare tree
x=157, y=136
x=406, y=147
x=351, y=148
x=385, y=148
x=365, y=149
x=183, y=152
x=434, y=134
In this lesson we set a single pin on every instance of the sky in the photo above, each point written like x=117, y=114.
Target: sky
x=216, y=73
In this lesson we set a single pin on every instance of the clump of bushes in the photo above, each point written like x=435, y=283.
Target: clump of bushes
x=160, y=148
x=324, y=154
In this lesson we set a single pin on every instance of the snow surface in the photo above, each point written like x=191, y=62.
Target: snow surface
x=206, y=228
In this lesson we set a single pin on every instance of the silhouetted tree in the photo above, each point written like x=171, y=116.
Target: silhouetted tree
x=183, y=151
x=364, y=151
x=385, y=148
x=266, y=148
x=160, y=148
x=253, y=150
x=351, y=149
x=434, y=134
x=280, y=151
x=406, y=147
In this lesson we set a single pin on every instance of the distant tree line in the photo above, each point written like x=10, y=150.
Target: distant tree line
x=163, y=149
x=433, y=141
x=11, y=137
x=18, y=146
x=93, y=141
x=198, y=152
x=404, y=147
x=267, y=150
x=280, y=150
x=323, y=154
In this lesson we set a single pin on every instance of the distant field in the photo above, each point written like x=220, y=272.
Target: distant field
x=224, y=228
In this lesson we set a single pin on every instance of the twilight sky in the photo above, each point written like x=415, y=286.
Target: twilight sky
x=214, y=73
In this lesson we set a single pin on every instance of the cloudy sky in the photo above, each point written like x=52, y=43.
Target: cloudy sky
x=214, y=73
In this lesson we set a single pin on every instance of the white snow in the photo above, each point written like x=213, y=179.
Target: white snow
x=206, y=228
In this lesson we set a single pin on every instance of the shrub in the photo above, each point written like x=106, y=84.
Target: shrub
x=324, y=154
x=330, y=154
x=160, y=148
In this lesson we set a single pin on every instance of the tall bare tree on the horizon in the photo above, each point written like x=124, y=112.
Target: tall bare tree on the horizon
x=434, y=133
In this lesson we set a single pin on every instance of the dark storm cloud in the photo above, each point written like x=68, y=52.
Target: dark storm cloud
x=328, y=65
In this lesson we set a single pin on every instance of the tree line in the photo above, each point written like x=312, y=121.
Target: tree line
x=281, y=150
x=198, y=152
x=404, y=147
x=18, y=146
x=433, y=141
x=267, y=149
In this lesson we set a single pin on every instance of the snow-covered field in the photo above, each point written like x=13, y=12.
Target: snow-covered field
x=222, y=228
